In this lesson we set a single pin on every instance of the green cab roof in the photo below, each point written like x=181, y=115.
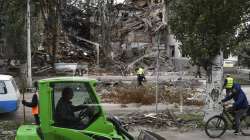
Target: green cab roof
x=68, y=78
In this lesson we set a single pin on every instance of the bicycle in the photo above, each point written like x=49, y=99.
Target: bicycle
x=217, y=125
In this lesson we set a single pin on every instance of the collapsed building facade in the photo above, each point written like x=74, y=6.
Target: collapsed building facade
x=142, y=25
x=106, y=34
x=117, y=36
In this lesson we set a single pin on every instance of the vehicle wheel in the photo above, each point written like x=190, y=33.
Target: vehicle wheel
x=216, y=126
x=245, y=126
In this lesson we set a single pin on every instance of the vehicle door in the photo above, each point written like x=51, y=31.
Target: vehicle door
x=9, y=99
x=82, y=96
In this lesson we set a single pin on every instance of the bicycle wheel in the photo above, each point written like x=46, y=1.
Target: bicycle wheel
x=245, y=126
x=216, y=126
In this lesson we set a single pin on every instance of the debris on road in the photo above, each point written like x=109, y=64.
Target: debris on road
x=162, y=120
x=125, y=95
x=129, y=93
x=8, y=130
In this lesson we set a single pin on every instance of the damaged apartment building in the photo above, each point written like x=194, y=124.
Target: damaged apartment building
x=142, y=25
x=128, y=34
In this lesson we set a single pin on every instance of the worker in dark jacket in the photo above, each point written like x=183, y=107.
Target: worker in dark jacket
x=34, y=104
x=240, y=105
x=64, y=115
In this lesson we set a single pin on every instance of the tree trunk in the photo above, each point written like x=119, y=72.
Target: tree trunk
x=106, y=24
x=214, y=87
x=50, y=14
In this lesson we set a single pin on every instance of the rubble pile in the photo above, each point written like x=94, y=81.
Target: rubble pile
x=71, y=53
x=145, y=17
x=73, y=43
x=126, y=37
x=184, y=96
x=8, y=130
x=125, y=95
x=168, y=93
x=161, y=120
x=134, y=22
x=136, y=27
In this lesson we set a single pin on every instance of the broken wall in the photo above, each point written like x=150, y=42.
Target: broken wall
x=137, y=23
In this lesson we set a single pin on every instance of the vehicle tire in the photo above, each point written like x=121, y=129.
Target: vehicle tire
x=216, y=126
x=245, y=126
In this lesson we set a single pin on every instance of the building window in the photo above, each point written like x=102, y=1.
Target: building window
x=172, y=50
x=157, y=1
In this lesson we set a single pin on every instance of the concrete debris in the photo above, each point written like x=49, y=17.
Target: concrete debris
x=160, y=120
x=184, y=96
x=168, y=93
x=152, y=115
x=8, y=133
x=125, y=95
x=164, y=119
x=8, y=130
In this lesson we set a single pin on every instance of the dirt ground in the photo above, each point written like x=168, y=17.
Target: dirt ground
x=18, y=116
x=198, y=135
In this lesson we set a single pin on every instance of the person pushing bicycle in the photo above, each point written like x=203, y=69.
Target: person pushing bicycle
x=240, y=105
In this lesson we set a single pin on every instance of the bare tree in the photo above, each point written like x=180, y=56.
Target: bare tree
x=50, y=10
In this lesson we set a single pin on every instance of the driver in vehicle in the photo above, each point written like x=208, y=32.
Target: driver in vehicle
x=240, y=105
x=64, y=113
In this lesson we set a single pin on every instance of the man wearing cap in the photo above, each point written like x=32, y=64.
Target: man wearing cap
x=64, y=113
x=228, y=84
x=240, y=105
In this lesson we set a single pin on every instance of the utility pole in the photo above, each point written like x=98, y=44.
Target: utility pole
x=29, y=72
x=98, y=55
x=157, y=73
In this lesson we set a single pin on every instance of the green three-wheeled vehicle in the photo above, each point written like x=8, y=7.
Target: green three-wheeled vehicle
x=95, y=125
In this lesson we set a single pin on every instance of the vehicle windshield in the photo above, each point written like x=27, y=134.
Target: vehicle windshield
x=82, y=95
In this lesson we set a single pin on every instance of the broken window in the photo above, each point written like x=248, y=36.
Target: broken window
x=160, y=15
x=184, y=55
x=125, y=16
x=157, y=1
x=172, y=50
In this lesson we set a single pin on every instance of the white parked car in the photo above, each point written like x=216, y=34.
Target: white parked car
x=9, y=94
x=228, y=64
